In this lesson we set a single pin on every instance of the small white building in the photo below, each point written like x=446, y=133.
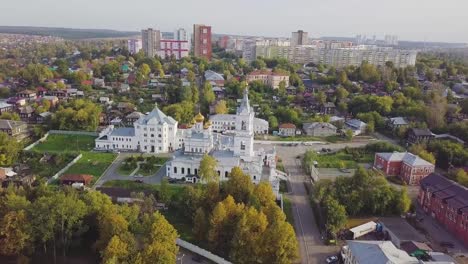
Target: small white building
x=357, y=126
x=287, y=130
x=225, y=122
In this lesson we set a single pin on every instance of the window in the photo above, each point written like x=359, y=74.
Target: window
x=242, y=145
x=188, y=171
x=226, y=174
x=175, y=169
x=152, y=135
x=145, y=135
x=183, y=170
x=219, y=173
x=159, y=135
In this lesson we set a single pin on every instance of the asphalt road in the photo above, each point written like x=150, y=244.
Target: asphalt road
x=312, y=248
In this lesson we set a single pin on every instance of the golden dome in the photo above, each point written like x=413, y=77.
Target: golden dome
x=193, y=121
x=199, y=118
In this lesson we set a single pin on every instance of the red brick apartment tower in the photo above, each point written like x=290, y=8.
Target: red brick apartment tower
x=202, y=41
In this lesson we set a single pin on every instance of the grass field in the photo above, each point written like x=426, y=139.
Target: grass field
x=93, y=163
x=340, y=158
x=124, y=171
x=66, y=143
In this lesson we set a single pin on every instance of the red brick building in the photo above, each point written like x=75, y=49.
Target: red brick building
x=202, y=41
x=447, y=202
x=409, y=167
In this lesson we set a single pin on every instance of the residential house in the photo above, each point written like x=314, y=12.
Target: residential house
x=61, y=94
x=69, y=179
x=225, y=122
x=124, y=88
x=291, y=90
x=269, y=78
x=132, y=118
x=53, y=100
x=319, y=129
x=100, y=83
x=26, y=112
x=357, y=126
x=125, y=107
x=17, y=129
x=447, y=203
x=6, y=172
x=27, y=94
x=218, y=91
x=287, y=130
x=43, y=117
x=214, y=77
x=409, y=167
x=16, y=101
x=4, y=107
x=41, y=91
x=419, y=135
x=397, y=122
x=328, y=108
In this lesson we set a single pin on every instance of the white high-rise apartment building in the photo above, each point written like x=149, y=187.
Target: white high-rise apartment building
x=334, y=55
x=134, y=45
x=151, y=40
x=181, y=34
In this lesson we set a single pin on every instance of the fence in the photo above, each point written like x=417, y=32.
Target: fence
x=65, y=168
x=42, y=139
x=201, y=252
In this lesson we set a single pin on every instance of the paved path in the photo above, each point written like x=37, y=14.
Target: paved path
x=112, y=174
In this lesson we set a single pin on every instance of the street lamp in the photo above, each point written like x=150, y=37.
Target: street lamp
x=181, y=258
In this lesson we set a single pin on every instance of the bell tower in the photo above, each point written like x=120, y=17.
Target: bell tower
x=244, y=132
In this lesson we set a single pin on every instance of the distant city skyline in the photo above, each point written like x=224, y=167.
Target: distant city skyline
x=416, y=20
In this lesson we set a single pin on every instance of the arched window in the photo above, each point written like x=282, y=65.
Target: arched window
x=226, y=174
x=219, y=173
x=183, y=170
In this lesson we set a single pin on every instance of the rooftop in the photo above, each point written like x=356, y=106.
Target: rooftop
x=372, y=252
x=123, y=132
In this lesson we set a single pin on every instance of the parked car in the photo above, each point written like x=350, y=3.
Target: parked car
x=171, y=180
x=331, y=259
x=139, y=181
x=345, y=170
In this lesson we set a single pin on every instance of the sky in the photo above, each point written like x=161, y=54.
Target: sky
x=423, y=20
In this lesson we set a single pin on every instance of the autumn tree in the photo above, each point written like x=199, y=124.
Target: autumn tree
x=221, y=107
x=207, y=169
x=200, y=224
x=246, y=243
x=335, y=215
x=15, y=233
x=9, y=149
x=239, y=185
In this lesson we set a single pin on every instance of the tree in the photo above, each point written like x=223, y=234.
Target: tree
x=280, y=244
x=15, y=233
x=343, y=78
x=282, y=88
x=208, y=95
x=10, y=116
x=461, y=177
x=264, y=194
x=349, y=134
x=195, y=93
x=321, y=98
x=246, y=243
x=160, y=243
x=239, y=186
x=221, y=107
x=163, y=193
x=200, y=224
x=341, y=93
x=436, y=109
x=207, y=169
x=273, y=121
x=335, y=215
x=9, y=150
x=404, y=201
x=116, y=251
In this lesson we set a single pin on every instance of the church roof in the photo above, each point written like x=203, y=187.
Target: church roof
x=199, y=117
x=245, y=103
x=156, y=116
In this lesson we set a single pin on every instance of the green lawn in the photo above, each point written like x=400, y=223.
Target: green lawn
x=66, y=143
x=93, y=163
x=340, y=158
x=125, y=171
x=150, y=172
x=182, y=224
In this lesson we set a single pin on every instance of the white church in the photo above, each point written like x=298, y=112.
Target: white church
x=234, y=147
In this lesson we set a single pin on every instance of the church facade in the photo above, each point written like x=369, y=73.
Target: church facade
x=234, y=147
